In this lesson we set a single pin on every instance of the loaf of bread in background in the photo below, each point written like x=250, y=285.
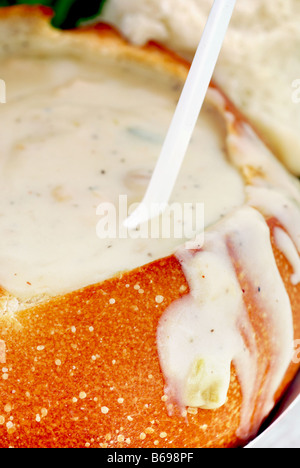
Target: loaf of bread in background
x=258, y=68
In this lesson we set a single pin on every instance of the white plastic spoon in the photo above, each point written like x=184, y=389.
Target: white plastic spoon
x=185, y=117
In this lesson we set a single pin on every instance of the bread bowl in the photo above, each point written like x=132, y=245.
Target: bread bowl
x=91, y=365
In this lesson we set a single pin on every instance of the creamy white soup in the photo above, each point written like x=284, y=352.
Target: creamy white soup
x=75, y=134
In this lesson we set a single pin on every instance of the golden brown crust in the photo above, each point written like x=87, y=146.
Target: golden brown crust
x=26, y=11
x=82, y=370
x=79, y=354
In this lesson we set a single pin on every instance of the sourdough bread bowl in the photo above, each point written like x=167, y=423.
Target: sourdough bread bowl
x=99, y=347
